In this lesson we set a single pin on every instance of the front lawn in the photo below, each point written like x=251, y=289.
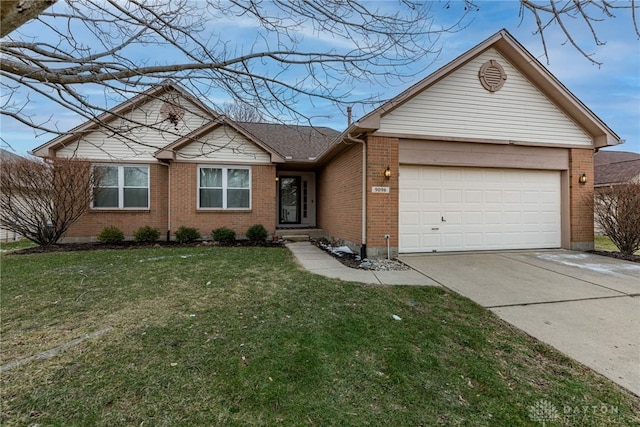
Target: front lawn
x=604, y=243
x=242, y=336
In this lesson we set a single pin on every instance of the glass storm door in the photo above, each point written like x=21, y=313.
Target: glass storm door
x=289, y=199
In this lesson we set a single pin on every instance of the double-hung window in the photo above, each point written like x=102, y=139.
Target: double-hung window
x=224, y=187
x=122, y=187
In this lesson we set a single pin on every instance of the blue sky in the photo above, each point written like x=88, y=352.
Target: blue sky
x=611, y=91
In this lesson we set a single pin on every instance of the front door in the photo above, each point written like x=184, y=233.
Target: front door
x=289, y=203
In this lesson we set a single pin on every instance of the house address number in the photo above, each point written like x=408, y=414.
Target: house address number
x=379, y=189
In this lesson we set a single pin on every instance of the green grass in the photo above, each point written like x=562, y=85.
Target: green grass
x=15, y=245
x=242, y=336
x=604, y=243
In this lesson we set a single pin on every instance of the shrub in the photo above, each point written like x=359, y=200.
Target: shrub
x=111, y=235
x=223, y=235
x=617, y=211
x=187, y=234
x=146, y=234
x=257, y=233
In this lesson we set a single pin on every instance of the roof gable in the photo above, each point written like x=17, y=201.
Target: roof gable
x=134, y=129
x=458, y=106
x=221, y=140
x=526, y=65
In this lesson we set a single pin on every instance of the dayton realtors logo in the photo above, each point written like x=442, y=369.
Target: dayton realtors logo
x=545, y=412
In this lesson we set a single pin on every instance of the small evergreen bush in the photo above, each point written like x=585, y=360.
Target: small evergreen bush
x=257, y=233
x=146, y=234
x=223, y=235
x=187, y=234
x=111, y=236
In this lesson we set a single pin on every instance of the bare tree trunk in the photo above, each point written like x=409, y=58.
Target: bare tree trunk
x=14, y=13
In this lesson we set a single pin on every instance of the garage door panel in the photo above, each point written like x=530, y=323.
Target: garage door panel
x=452, y=196
x=432, y=240
x=493, y=196
x=451, y=218
x=482, y=208
x=473, y=218
x=512, y=196
x=411, y=242
x=492, y=218
x=431, y=196
x=410, y=218
x=473, y=196
x=410, y=195
x=512, y=218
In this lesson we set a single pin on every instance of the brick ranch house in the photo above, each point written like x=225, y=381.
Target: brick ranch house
x=486, y=153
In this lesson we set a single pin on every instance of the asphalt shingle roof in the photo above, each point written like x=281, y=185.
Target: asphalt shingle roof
x=614, y=167
x=290, y=141
x=8, y=155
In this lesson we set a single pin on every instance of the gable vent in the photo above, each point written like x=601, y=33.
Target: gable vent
x=492, y=76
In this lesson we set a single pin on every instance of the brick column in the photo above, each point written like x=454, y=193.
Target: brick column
x=581, y=161
x=382, y=208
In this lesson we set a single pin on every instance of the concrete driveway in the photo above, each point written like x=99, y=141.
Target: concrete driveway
x=587, y=306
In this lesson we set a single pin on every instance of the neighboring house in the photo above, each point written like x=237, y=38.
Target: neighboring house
x=8, y=235
x=616, y=167
x=484, y=154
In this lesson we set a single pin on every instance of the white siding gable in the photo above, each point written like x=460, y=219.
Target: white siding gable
x=458, y=106
x=224, y=145
x=137, y=142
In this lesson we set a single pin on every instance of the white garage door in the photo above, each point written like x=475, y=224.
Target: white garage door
x=464, y=209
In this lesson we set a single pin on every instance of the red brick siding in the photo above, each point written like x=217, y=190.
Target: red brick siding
x=95, y=220
x=184, y=211
x=581, y=215
x=339, y=196
x=183, y=196
x=382, y=208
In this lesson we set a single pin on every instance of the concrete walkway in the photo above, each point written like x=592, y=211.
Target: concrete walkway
x=587, y=306
x=319, y=262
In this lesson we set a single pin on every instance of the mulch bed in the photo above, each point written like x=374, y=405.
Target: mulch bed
x=90, y=246
x=350, y=260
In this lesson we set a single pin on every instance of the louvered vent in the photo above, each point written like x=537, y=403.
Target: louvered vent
x=492, y=76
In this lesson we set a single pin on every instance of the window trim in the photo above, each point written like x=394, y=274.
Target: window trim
x=121, y=187
x=225, y=187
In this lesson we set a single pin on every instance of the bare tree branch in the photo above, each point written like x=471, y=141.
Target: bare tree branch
x=41, y=200
x=70, y=48
x=617, y=211
x=588, y=12
x=242, y=112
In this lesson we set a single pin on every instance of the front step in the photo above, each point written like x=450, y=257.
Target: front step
x=296, y=238
x=300, y=235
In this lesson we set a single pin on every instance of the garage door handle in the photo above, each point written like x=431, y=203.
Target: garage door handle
x=443, y=220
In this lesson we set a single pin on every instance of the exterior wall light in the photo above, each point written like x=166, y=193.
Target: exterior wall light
x=387, y=172
x=583, y=178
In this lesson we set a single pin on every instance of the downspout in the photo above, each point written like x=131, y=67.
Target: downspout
x=363, y=248
x=168, y=200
